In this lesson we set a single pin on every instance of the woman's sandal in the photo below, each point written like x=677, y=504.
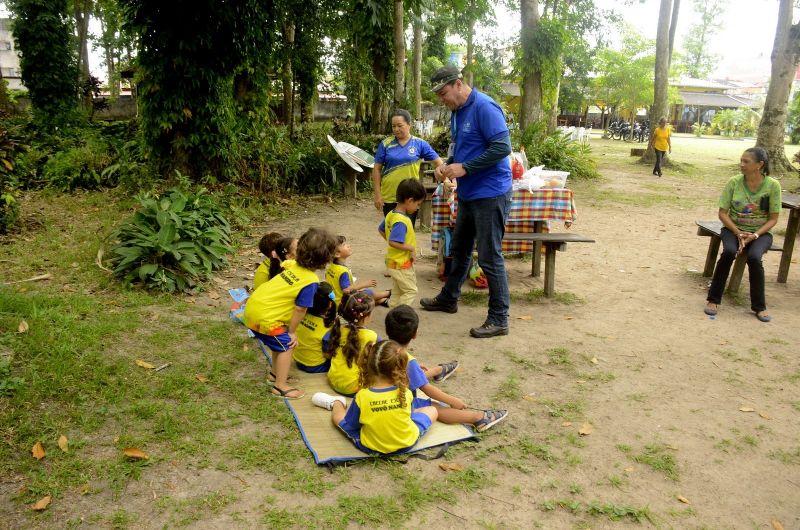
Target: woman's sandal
x=284, y=394
x=291, y=380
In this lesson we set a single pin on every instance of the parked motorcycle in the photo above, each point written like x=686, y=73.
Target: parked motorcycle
x=641, y=131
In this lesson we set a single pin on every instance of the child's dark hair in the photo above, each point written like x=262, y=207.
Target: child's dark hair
x=340, y=240
x=386, y=359
x=281, y=249
x=268, y=242
x=315, y=249
x=410, y=189
x=324, y=305
x=401, y=324
x=352, y=308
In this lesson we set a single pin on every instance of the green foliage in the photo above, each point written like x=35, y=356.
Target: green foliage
x=8, y=383
x=793, y=119
x=740, y=122
x=172, y=242
x=47, y=61
x=79, y=167
x=556, y=151
x=625, y=77
x=185, y=82
x=698, y=61
x=699, y=129
x=10, y=149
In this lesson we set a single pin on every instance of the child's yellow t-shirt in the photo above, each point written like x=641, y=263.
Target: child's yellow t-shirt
x=343, y=378
x=269, y=309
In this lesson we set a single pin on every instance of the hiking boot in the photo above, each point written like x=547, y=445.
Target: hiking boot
x=326, y=401
x=433, y=304
x=448, y=369
x=487, y=330
x=490, y=419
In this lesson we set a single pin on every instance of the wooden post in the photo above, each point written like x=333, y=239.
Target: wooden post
x=788, y=245
x=350, y=187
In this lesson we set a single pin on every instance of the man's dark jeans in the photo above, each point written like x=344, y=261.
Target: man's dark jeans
x=755, y=250
x=481, y=220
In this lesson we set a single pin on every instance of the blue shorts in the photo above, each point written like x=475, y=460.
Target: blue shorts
x=423, y=423
x=319, y=369
x=275, y=343
x=418, y=403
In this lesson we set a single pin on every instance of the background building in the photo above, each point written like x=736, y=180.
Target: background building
x=9, y=60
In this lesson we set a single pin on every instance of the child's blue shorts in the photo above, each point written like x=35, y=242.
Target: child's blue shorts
x=276, y=343
x=423, y=423
x=319, y=369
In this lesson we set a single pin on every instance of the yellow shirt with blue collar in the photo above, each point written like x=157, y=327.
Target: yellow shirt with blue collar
x=269, y=309
x=397, y=227
x=311, y=335
x=379, y=422
x=343, y=378
x=340, y=277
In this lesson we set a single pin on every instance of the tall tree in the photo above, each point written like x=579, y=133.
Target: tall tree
x=112, y=40
x=785, y=58
x=399, y=40
x=468, y=13
x=699, y=62
x=530, y=110
x=416, y=64
x=82, y=10
x=43, y=37
x=667, y=21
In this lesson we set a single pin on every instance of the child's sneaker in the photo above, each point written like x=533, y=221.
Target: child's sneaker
x=326, y=401
x=490, y=419
x=448, y=369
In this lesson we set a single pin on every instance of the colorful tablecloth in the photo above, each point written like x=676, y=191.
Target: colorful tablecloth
x=545, y=204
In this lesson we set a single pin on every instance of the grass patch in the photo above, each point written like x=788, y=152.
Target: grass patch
x=659, y=458
x=609, y=510
x=569, y=410
x=524, y=362
x=509, y=389
x=788, y=457
x=534, y=296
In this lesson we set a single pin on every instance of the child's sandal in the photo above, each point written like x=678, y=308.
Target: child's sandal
x=284, y=394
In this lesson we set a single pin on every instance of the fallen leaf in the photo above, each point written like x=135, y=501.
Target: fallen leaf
x=629, y=470
x=42, y=503
x=136, y=454
x=201, y=378
x=190, y=301
x=38, y=451
x=777, y=524
x=568, y=318
x=580, y=381
x=144, y=364
x=63, y=443
x=528, y=398
x=586, y=429
x=245, y=347
x=85, y=489
x=525, y=317
x=764, y=415
x=594, y=360
x=214, y=295
x=566, y=424
x=683, y=499
x=153, y=317
x=747, y=409
x=23, y=327
x=451, y=466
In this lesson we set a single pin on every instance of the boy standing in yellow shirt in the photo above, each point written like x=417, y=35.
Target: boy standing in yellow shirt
x=398, y=231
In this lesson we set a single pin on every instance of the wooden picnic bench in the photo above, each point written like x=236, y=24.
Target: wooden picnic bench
x=712, y=229
x=552, y=242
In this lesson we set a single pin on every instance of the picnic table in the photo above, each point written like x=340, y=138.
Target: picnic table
x=530, y=211
x=791, y=201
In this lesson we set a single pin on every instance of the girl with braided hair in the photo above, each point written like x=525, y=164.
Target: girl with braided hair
x=348, y=339
x=380, y=418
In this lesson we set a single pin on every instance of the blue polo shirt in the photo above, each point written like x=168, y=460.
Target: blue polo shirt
x=401, y=162
x=473, y=127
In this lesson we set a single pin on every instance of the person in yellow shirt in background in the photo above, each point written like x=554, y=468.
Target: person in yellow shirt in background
x=276, y=307
x=661, y=143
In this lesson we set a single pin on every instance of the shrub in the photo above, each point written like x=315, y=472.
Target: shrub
x=172, y=242
x=556, y=151
x=79, y=167
x=10, y=150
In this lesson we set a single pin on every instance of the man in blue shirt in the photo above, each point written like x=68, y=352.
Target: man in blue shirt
x=478, y=158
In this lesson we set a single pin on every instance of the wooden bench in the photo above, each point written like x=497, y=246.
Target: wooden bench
x=712, y=229
x=552, y=242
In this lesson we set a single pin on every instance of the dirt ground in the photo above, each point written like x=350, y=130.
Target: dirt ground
x=639, y=361
x=693, y=421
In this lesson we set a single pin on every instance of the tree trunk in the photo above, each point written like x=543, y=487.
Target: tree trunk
x=530, y=109
x=379, y=111
x=785, y=58
x=470, y=78
x=676, y=4
x=287, y=76
x=399, y=55
x=82, y=10
x=661, y=86
x=552, y=122
x=417, y=61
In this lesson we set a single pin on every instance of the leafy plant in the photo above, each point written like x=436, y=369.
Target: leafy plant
x=79, y=167
x=555, y=151
x=8, y=383
x=172, y=242
x=9, y=207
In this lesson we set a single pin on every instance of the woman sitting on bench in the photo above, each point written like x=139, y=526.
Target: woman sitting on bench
x=748, y=208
